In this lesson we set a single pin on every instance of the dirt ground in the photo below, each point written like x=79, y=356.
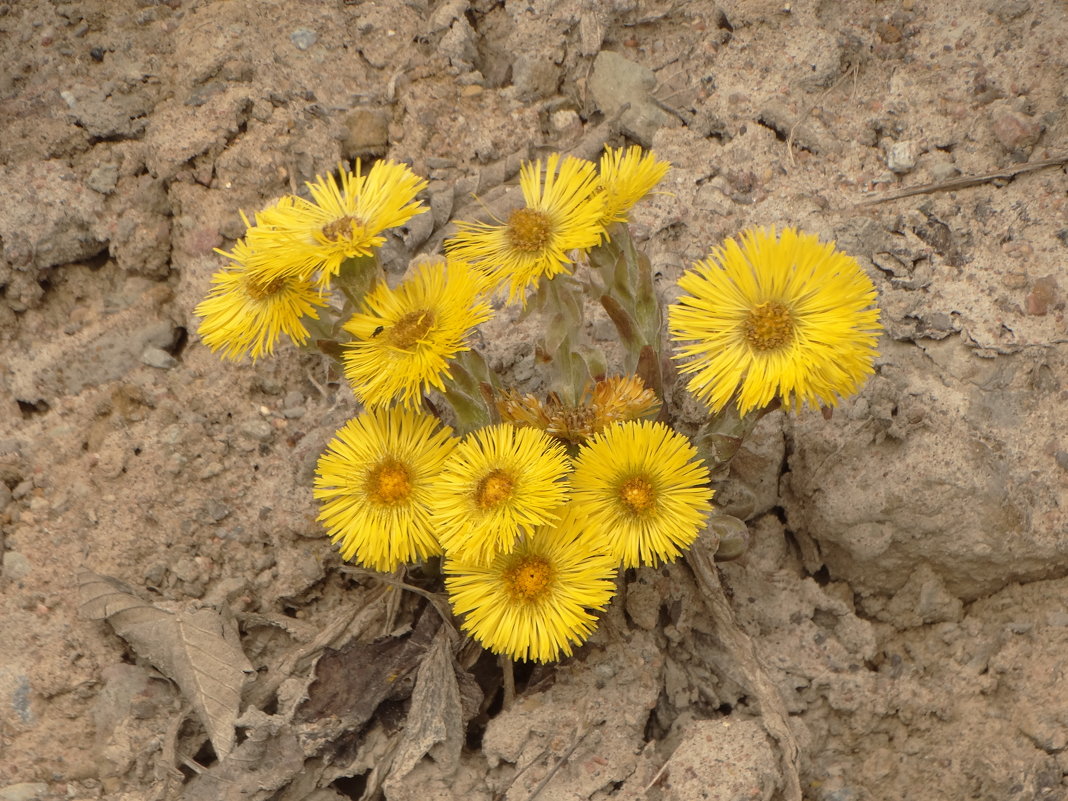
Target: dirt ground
x=907, y=587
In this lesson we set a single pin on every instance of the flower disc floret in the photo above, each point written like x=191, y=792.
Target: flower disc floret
x=535, y=602
x=642, y=486
x=373, y=485
x=769, y=315
x=405, y=338
x=500, y=482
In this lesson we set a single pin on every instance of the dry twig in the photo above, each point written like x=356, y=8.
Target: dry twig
x=853, y=69
x=559, y=763
x=965, y=181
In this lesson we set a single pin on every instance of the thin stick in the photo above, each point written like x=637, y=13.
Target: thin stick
x=393, y=600
x=852, y=70
x=965, y=181
x=437, y=600
x=508, y=675
x=559, y=764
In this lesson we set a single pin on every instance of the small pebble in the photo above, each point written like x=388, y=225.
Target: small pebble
x=901, y=157
x=157, y=357
x=1014, y=280
x=1061, y=458
x=97, y=54
x=103, y=178
x=15, y=566
x=888, y=32
x=302, y=38
x=210, y=470
x=185, y=569
x=257, y=429
x=215, y=511
x=155, y=575
x=1041, y=296
x=566, y=120
x=944, y=171
x=1015, y=131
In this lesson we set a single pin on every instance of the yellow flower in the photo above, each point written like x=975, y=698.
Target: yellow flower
x=248, y=310
x=373, y=482
x=627, y=175
x=770, y=315
x=604, y=402
x=405, y=337
x=562, y=214
x=500, y=481
x=342, y=220
x=534, y=602
x=642, y=486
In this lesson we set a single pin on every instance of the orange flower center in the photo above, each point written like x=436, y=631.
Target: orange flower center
x=529, y=578
x=769, y=326
x=342, y=228
x=260, y=287
x=390, y=483
x=529, y=230
x=637, y=495
x=494, y=490
x=410, y=329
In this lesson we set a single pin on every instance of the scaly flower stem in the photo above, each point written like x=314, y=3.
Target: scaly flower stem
x=508, y=678
x=573, y=360
x=357, y=277
x=720, y=437
x=469, y=391
x=629, y=298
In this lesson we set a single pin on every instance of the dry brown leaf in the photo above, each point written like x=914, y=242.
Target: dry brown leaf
x=435, y=723
x=195, y=648
x=268, y=759
x=351, y=683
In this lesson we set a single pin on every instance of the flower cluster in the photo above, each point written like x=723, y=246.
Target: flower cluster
x=533, y=505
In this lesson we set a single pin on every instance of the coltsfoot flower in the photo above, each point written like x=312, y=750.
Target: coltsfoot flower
x=343, y=220
x=626, y=176
x=248, y=310
x=642, y=486
x=534, y=602
x=771, y=315
x=406, y=337
x=562, y=213
x=373, y=484
x=500, y=482
x=604, y=402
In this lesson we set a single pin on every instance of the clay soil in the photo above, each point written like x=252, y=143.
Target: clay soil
x=905, y=597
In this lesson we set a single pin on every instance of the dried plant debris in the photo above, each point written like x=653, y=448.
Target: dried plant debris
x=436, y=719
x=268, y=760
x=351, y=682
x=290, y=751
x=198, y=649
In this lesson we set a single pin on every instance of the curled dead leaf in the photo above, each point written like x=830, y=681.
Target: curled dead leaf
x=198, y=649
